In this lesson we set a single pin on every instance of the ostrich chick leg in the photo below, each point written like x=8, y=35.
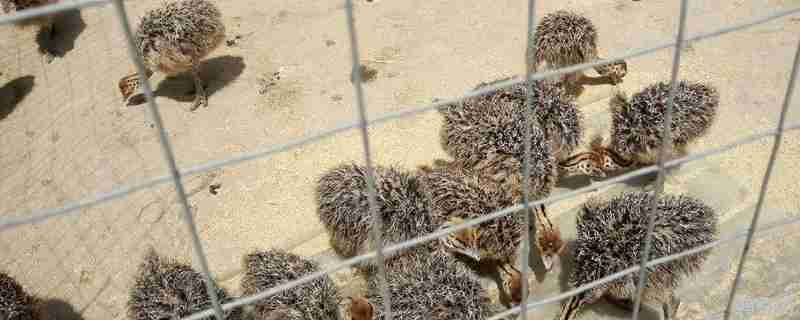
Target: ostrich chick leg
x=200, y=98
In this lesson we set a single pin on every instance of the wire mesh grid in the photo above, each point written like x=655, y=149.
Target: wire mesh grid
x=177, y=175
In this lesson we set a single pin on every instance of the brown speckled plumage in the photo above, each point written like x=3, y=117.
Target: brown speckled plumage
x=315, y=300
x=565, y=38
x=174, y=38
x=166, y=289
x=15, y=303
x=488, y=130
x=454, y=192
x=636, y=123
x=429, y=285
x=343, y=207
x=610, y=239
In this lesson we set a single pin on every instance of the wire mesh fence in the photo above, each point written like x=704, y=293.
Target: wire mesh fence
x=50, y=217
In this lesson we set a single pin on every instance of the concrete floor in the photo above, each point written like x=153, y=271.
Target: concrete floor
x=67, y=135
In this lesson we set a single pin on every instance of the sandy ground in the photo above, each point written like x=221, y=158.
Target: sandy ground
x=67, y=136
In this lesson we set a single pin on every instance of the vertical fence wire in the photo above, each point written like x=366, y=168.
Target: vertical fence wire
x=666, y=144
x=169, y=157
x=526, y=161
x=377, y=223
x=765, y=182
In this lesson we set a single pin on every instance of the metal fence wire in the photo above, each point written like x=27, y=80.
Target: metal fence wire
x=176, y=174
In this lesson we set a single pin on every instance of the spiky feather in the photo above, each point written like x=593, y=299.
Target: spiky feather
x=565, y=38
x=455, y=192
x=166, y=289
x=480, y=129
x=431, y=284
x=343, y=207
x=15, y=303
x=611, y=235
x=637, y=122
x=177, y=35
x=264, y=270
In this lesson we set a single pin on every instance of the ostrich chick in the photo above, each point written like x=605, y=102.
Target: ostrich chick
x=15, y=303
x=44, y=23
x=565, y=38
x=315, y=300
x=428, y=284
x=457, y=195
x=637, y=124
x=173, y=39
x=488, y=132
x=166, y=289
x=610, y=239
x=343, y=208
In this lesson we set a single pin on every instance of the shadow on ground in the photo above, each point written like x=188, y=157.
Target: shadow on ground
x=13, y=92
x=59, y=309
x=216, y=73
x=67, y=27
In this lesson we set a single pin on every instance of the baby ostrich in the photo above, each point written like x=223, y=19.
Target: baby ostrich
x=487, y=132
x=165, y=289
x=44, y=23
x=173, y=39
x=457, y=195
x=610, y=238
x=637, y=124
x=595, y=162
x=15, y=303
x=343, y=208
x=318, y=299
x=426, y=285
x=566, y=38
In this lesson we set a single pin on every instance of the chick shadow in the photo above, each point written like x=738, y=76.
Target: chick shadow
x=59, y=309
x=580, y=181
x=215, y=73
x=67, y=27
x=601, y=307
x=12, y=94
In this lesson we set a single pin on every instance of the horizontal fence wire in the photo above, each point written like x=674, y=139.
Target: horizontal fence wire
x=51, y=9
x=733, y=237
x=397, y=247
x=16, y=219
x=10, y=221
x=509, y=210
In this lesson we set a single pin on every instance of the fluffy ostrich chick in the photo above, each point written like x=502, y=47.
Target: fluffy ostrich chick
x=426, y=284
x=315, y=300
x=565, y=38
x=457, y=195
x=637, y=123
x=165, y=289
x=174, y=39
x=343, y=208
x=487, y=132
x=43, y=24
x=610, y=239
